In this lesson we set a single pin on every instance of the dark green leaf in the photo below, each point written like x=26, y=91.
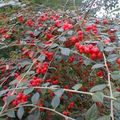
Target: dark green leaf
x=20, y=112
x=11, y=114
x=98, y=87
x=2, y=92
x=54, y=46
x=65, y=51
x=59, y=92
x=41, y=58
x=115, y=76
x=63, y=39
x=28, y=91
x=117, y=105
x=92, y=113
x=55, y=102
x=77, y=86
x=98, y=65
x=10, y=99
x=100, y=46
x=112, y=57
x=35, y=98
x=87, y=62
x=104, y=118
x=116, y=94
x=108, y=49
x=70, y=32
x=98, y=97
x=36, y=33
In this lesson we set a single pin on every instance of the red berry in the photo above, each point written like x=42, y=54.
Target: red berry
x=118, y=61
x=100, y=74
x=71, y=105
x=66, y=113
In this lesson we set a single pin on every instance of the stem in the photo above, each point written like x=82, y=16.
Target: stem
x=109, y=85
x=45, y=108
x=67, y=90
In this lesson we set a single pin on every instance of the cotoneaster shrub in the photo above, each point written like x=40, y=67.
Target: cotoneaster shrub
x=66, y=67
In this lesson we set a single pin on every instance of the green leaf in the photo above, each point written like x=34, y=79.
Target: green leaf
x=55, y=102
x=35, y=98
x=117, y=105
x=54, y=45
x=65, y=51
x=112, y=57
x=59, y=92
x=98, y=97
x=98, y=65
x=20, y=112
x=41, y=58
x=116, y=94
x=54, y=86
x=104, y=118
x=10, y=99
x=60, y=30
x=36, y=33
x=25, y=62
x=45, y=84
x=13, y=82
x=28, y=91
x=70, y=32
x=31, y=117
x=92, y=113
x=115, y=76
x=100, y=46
x=11, y=114
x=77, y=86
x=63, y=39
x=2, y=92
x=98, y=87
x=108, y=49
x=86, y=62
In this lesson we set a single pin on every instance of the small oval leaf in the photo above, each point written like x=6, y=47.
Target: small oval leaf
x=77, y=86
x=35, y=98
x=20, y=112
x=98, y=65
x=55, y=102
x=98, y=87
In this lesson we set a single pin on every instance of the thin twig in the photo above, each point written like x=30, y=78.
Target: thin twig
x=52, y=88
x=45, y=108
x=110, y=86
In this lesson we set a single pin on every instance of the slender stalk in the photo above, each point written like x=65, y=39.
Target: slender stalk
x=109, y=85
x=45, y=108
x=67, y=90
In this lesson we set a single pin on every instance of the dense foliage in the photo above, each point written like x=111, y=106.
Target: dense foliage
x=59, y=65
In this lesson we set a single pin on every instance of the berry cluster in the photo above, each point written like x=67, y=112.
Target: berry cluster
x=53, y=81
x=71, y=105
x=35, y=81
x=71, y=59
x=29, y=23
x=20, y=19
x=20, y=98
x=92, y=51
x=67, y=26
x=42, y=68
x=92, y=28
x=48, y=55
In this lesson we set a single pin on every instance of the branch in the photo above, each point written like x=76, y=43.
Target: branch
x=110, y=86
x=45, y=108
x=52, y=88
